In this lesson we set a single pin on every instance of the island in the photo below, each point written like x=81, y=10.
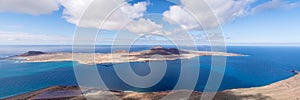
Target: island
x=156, y=53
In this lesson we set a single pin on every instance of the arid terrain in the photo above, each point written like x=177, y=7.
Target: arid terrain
x=155, y=54
x=283, y=90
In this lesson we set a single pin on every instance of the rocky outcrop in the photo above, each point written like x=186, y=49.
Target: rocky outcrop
x=34, y=94
x=164, y=51
x=288, y=89
x=32, y=53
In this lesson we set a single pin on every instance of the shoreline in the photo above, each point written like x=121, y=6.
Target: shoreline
x=155, y=54
x=281, y=90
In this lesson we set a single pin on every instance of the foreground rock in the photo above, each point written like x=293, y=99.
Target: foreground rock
x=155, y=54
x=288, y=89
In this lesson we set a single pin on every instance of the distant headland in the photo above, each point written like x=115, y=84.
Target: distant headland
x=156, y=53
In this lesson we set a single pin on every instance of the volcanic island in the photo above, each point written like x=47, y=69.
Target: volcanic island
x=156, y=53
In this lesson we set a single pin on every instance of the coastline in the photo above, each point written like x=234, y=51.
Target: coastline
x=122, y=56
x=283, y=90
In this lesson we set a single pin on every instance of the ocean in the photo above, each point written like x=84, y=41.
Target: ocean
x=263, y=66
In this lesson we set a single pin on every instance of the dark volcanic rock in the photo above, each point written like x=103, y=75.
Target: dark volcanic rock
x=164, y=51
x=32, y=53
x=37, y=93
x=74, y=93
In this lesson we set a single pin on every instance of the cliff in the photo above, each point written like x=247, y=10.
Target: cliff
x=288, y=89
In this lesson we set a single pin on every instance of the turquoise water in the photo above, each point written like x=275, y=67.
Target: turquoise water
x=265, y=65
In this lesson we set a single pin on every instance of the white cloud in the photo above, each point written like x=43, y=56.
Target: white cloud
x=34, y=7
x=145, y=26
x=125, y=16
x=98, y=11
x=224, y=10
x=29, y=38
x=275, y=4
x=177, y=15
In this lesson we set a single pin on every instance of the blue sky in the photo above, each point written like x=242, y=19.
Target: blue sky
x=262, y=22
x=269, y=26
x=38, y=24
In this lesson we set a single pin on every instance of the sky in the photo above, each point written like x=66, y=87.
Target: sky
x=241, y=22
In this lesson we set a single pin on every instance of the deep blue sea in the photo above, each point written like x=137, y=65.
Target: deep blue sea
x=263, y=66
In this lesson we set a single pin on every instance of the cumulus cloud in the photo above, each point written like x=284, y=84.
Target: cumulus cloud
x=177, y=15
x=34, y=7
x=145, y=26
x=89, y=13
x=275, y=4
x=224, y=10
